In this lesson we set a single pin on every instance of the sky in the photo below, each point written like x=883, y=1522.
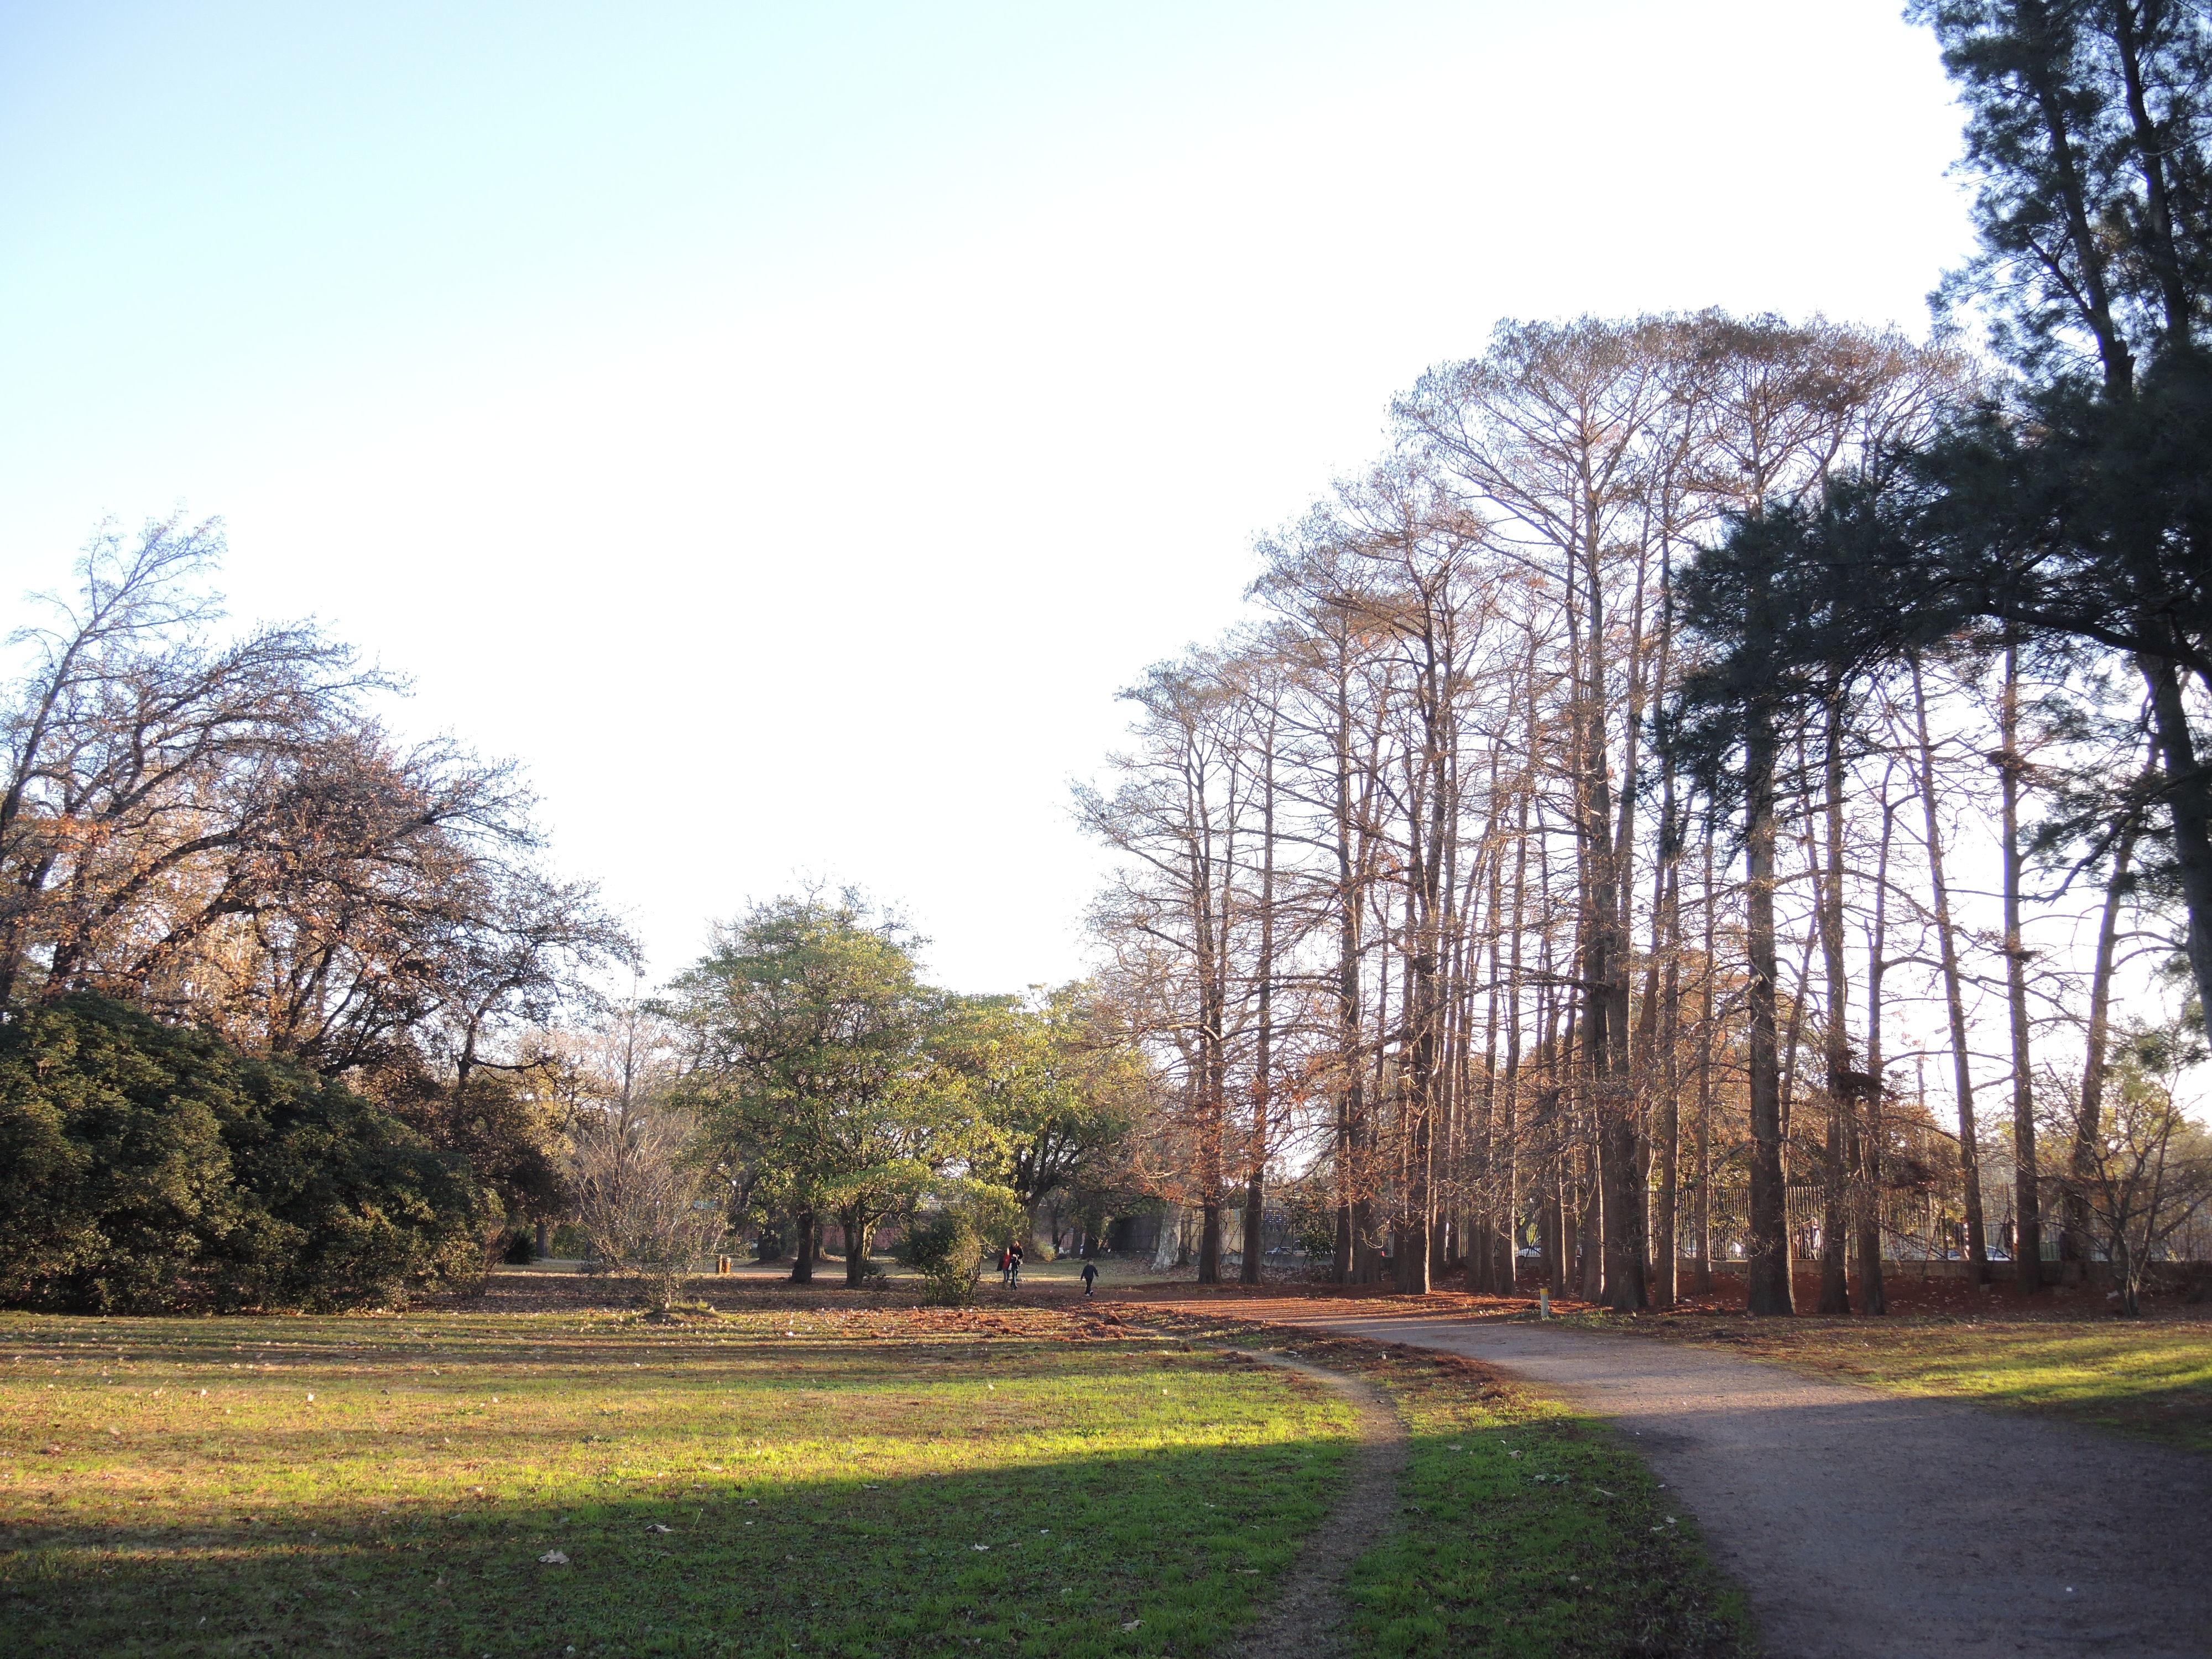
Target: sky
x=785, y=429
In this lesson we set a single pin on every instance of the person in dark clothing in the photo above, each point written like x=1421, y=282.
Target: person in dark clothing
x=1014, y=1273
x=1090, y=1276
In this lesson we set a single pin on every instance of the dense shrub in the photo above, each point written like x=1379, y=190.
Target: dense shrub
x=146, y=1168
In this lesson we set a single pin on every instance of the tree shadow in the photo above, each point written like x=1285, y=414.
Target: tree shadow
x=1141, y=1552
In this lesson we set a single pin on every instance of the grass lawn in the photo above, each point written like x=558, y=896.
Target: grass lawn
x=1528, y=1529
x=867, y=1481
x=2151, y=1377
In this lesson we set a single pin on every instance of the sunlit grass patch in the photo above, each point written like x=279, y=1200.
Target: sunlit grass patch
x=868, y=1483
x=2151, y=1377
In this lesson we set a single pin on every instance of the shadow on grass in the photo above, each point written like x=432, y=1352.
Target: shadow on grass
x=1540, y=1537
x=1110, y=1553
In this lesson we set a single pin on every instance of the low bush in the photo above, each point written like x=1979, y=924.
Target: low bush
x=148, y=1168
x=947, y=1243
x=947, y=1251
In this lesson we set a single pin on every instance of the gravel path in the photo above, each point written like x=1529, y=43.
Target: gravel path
x=1874, y=1526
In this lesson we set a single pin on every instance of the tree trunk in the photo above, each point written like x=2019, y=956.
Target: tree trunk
x=2188, y=798
x=1835, y=1223
x=1667, y=945
x=1255, y=1182
x=1605, y=969
x=856, y=1226
x=1248, y=1272
x=1492, y=1205
x=1552, y=1229
x=1209, y=1240
x=1589, y=1232
x=1800, y=996
x=1505, y=1275
x=1953, y=995
x=1701, y=1281
x=2028, y=1202
x=802, y=1255
x=1873, y=1296
x=1664, y=1251
x=1766, y=1249
x=2088, y=1122
x=1351, y=1220
x=1422, y=1091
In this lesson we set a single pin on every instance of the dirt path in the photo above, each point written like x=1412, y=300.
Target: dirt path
x=1308, y=1618
x=1864, y=1524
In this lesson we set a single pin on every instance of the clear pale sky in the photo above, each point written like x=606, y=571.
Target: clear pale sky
x=784, y=427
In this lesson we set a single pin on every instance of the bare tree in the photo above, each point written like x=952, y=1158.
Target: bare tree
x=1393, y=866
x=219, y=830
x=1176, y=817
x=648, y=1200
x=2147, y=1169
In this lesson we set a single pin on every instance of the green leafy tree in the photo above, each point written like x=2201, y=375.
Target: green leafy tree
x=511, y=1125
x=2075, y=511
x=2087, y=123
x=1725, y=729
x=1775, y=616
x=815, y=1061
x=1060, y=1090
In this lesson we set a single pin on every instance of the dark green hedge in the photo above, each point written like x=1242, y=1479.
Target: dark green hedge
x=146, y=1168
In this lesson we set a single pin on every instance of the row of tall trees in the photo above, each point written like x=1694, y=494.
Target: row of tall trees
x=2057, y=520
x=1695, y=726
x=1397, y=858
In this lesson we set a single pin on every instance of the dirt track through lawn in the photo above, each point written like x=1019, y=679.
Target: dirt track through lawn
x=1867, y=1526
x=1308, y=1618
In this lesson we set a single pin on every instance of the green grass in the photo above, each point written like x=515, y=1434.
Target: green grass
x=2150, y=1377
x=1529, y=1530
x=769, y=1482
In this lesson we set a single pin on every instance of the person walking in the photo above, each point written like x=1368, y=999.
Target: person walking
x=1006, y=1267
x=1014, y=1274
x=1090, y=1276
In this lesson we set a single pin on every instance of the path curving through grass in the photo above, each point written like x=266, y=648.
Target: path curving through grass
x=1308, y=1618
x=1517, y=1526
x=1865, y=1523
